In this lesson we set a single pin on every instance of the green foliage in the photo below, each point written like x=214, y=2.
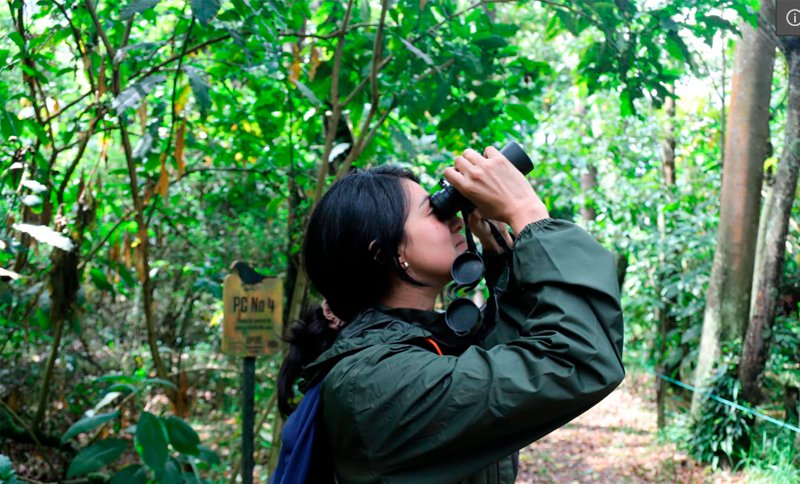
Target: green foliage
x=151, y=442
x=182, y=437
x=96, y=456
x=7, y=474
x=132, y=474
x=88, y=423
x=722, y=436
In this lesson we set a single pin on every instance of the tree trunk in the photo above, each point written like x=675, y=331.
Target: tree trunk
x=589, y=175
x=758, y=264
x=665, y=322
x=728, y=297
x=756, y=343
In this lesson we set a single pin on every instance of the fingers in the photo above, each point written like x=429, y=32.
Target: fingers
x=454, y=177
x=473, y=156
x=462, y=165
x=491, y=152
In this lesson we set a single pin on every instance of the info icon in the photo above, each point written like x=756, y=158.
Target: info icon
x=787, y=21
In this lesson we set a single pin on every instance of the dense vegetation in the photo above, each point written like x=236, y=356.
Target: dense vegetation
x=147, y=145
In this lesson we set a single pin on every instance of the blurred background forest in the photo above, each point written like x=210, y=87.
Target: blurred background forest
x=147, y=144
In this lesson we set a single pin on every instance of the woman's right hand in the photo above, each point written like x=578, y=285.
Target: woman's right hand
x=497, y=188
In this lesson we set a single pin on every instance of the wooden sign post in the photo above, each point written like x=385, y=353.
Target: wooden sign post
x=253, y=319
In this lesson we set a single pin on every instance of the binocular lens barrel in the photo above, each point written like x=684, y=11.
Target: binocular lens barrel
x=448, y=201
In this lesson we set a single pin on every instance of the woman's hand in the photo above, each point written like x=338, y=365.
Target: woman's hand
x=497, y=188
x=480, y=228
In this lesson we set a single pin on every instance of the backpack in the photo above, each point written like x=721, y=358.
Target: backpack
x=304, y=442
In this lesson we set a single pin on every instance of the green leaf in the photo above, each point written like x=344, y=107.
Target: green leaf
x=96, y=456
x=205, y=10
x=151, y=443
x=171, y=473
x=674, y=49
x=100, y=280
x=137, y=6
x=86, y=424
x=131, y=96
x=161, y=382
x=18, y=40
x=308, y=93
x=626, y=108
x=273, y=205
x=121, y=53
x=143, y=147
x=46, y=234
x=440, y=98
x=200, y=89
x=10, y=124
x=208, y=456
x=182, y=437
x=133, y=474
x=7, y=472
x=422, y=55
x=520, y=112
x=491, y=42
x=37, y=130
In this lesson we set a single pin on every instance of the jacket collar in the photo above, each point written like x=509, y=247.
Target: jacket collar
x=378, y=325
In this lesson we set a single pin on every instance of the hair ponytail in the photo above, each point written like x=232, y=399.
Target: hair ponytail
x=360, y=217
x=310, y=337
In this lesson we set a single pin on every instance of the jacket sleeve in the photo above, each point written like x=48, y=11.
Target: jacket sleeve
x=418, y=412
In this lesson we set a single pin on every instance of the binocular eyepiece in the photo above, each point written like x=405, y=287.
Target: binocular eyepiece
x=448, y=201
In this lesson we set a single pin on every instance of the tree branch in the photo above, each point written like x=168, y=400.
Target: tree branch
x=333, y=120
x=61, y=111
x=81, y=148
x=100, y=30
x=175, y=57
x=105, y=239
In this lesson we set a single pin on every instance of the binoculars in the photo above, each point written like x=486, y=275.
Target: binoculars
x=463, y=315
x=448, y=201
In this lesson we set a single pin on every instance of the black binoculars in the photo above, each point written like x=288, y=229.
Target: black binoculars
x=448, y=201
x=463, y=315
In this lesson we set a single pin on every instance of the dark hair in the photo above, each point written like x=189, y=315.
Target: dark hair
x=364, y=206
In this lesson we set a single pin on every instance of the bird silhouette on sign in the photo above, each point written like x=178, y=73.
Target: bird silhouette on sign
x=247, y=274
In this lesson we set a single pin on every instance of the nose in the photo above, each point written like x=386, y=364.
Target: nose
x=456, y=224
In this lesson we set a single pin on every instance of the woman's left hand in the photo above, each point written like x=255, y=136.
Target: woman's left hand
x=480, y=227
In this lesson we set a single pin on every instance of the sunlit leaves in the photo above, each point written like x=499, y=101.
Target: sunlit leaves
x=206, y=10
x=46, y=235
x=308, y=93
x=200, y=89
x=137, y=6
x=131, y=96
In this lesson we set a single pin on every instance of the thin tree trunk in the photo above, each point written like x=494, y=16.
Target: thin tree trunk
x=589, y=175
x=665, y=322
x=759, y=333
x=728, y=297
x=758, y=264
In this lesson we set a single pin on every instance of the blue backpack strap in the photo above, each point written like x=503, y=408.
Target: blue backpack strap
x=299, y=434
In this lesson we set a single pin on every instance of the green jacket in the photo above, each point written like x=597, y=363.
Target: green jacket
x=397, y=412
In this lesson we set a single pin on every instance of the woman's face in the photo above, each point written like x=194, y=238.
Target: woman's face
x=431, y=245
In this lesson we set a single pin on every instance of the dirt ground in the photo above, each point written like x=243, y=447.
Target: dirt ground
x=615, y=443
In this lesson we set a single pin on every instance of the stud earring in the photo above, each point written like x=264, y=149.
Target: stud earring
x=405, y=265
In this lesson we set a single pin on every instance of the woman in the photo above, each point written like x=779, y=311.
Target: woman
x=394, y=409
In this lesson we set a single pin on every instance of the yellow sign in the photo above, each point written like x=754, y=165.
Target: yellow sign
x=253, y=316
